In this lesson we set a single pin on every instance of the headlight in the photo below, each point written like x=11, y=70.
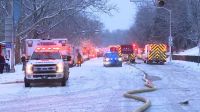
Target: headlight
x=60, y=67
x=120, y=59
x=29, y=68
x=107, y=59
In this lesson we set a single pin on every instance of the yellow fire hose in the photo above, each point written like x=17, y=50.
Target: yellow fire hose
x=147, y=102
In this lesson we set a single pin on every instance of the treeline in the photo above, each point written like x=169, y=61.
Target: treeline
x=152, y=24
x=72, y=19
x=56, y=18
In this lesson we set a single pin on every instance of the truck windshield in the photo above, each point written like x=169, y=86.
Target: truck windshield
x=45, y=55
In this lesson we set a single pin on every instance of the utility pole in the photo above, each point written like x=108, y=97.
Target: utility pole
x=170, y=41
x=9, y=36
x=159, y=4
x=199, y=52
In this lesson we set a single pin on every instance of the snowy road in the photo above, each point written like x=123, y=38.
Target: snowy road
x=177, y=85
x=94, y=88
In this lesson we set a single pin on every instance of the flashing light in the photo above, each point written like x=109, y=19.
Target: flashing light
x=29, y=68
x=120, y=59
x=97, y=50
x=46, y=49
x=107, y=59
x=60, y=67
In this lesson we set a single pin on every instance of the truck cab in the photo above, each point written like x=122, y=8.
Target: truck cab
x=127, y=53
x=46, y=64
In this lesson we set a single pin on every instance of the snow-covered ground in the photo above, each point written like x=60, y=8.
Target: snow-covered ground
x=12, y=77
x=192, y=52
x=94, y=88
x=175, y=84
x=91, y=88
x=187, y=65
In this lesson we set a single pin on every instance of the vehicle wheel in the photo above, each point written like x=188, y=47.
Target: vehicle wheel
x=161, y=63
x=26, y=83
x=67, y=77
x=132, y=61
x=63, y=83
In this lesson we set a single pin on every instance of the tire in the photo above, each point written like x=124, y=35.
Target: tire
x=67, y=77
x=63, y=82
x=132, y=61
x=26, y=83
x=161, y=63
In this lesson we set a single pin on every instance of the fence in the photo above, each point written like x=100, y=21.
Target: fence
x=186, y=58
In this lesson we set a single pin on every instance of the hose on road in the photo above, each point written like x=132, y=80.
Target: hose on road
x=147, y=102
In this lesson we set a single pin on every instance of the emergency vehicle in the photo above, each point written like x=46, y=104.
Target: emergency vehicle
x=45, y=62
x=140, y=53
x=85, y=53
x=114, y=48
x=92, y=53
x=127, y=53
x=65, y=48
x=155, y=53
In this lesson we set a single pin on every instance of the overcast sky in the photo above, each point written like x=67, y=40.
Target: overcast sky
x=123, y=19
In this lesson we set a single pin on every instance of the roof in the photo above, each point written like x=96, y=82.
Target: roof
x=2, y=43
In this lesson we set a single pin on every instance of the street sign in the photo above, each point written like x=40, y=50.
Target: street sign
x=8, y=45
x=170, y=38
x=170, y=41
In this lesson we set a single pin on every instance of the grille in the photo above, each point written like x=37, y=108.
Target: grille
x=44, y=68
x=36, y=76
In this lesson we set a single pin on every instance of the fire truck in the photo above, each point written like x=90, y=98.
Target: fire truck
x=155, y=53
x=45, y=62
x=114, y=48
x=127, y=53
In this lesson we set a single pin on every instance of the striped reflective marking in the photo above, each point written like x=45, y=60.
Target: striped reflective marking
x=132, y=56
x=120, y=51
x=158, y=51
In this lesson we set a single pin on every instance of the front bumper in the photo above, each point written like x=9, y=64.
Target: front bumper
x=44, y=76
x=109, y=63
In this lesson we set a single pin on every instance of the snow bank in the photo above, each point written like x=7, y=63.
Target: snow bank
x=193, y=52
x=187, y=65
x=18, y=75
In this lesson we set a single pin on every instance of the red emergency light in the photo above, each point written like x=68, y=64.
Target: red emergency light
x=46, y=49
